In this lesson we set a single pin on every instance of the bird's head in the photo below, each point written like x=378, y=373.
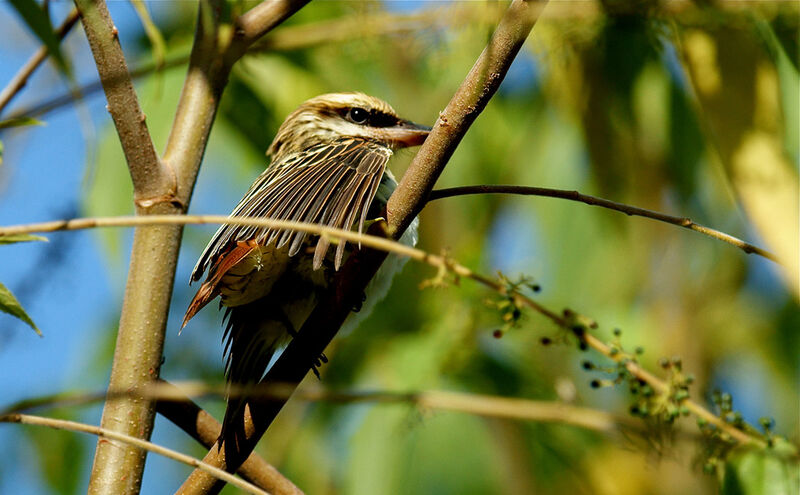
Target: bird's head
x=335, y=115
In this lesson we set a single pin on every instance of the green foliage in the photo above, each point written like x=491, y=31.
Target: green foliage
x=57, y=452
x=19, y=122
x=10, y=305
x=772, y=471
x=38, y=21
x=14, y=238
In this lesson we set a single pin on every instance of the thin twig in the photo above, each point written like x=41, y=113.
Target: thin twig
x=61, y=424
x=387, y=245
x=178, y=393
x=156, y=220
x=572, y=195
x=20, y=79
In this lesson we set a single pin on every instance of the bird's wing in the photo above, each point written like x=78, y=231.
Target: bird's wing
x=328, y=184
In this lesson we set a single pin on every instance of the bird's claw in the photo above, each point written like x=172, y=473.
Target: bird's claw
x=357, y=306
x=322, y=359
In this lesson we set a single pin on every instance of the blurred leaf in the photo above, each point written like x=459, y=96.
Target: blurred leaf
x=10, y=305
x=11, y=239
x=110, y=192
x=739, y=92
x=153, y=33
x=20, y=122
x=772, y=471
x=38, y=21
x=688, y=143
x=61, y=456
x=1, y=152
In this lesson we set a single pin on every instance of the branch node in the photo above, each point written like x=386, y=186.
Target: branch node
x=170, y=198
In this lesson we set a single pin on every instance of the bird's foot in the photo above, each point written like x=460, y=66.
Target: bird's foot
x=368, y=223
x=322, y=359
x=357, y=306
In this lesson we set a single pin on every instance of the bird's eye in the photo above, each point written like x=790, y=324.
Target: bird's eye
x=357, y=115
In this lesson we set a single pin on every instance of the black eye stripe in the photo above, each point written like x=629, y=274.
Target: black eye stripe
x=380, y=119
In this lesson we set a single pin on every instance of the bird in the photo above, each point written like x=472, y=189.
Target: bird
x=328, y=166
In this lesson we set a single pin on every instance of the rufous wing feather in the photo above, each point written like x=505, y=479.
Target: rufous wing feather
x=209, y=289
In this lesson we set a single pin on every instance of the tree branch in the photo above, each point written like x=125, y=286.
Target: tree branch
x=257, y=22
x=370, y=241
x=175, y=405
x=118, y=468
x=138, y=443
x=201, y=426
x=629, y=210
x=150, y=178
x=20, y=79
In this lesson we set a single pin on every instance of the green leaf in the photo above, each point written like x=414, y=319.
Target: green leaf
x=51, y=447
x=1, y=152
x=14, y=238
x=753, y=471
x=38, y=21
x=10, y=305
x=20, y=122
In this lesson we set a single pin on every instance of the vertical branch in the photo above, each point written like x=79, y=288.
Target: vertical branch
x=467, y=103
x=159, y=188
x=118, y=466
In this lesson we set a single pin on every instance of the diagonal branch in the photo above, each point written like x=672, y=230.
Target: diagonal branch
x=20, y=79
x=629, y=210
x=257, y=22
x=469, y=100
x=201, y=426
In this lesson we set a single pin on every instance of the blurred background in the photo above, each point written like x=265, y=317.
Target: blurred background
x=690, y=109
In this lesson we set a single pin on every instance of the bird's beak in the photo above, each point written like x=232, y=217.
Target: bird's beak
x=406, y=133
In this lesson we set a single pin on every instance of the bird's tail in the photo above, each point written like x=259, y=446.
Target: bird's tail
x=253, y=334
